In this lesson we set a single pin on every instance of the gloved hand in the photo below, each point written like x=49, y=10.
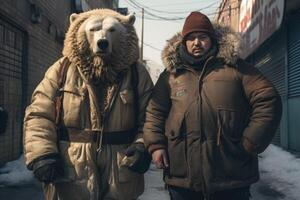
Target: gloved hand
x=47, y=169
x=137, y=158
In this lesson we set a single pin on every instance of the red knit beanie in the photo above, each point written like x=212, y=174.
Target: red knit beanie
x=197, y=22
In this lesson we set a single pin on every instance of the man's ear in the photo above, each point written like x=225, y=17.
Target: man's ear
x=73, y=17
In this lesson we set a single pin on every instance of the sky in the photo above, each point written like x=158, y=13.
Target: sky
x=158, y=31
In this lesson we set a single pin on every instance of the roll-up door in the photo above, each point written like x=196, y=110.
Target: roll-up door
x=11, y=88
x=270, y=60
x=294, y=81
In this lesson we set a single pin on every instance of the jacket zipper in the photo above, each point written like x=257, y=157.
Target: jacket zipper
x=105, y=116
x=220, y=124
x=204, y=188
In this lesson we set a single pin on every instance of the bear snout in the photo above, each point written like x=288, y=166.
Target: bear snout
x=103, y=44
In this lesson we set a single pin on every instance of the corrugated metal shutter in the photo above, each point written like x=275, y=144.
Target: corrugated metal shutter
x=294, y=81
x=270, y=60
x=11, y=89
x=294, y=56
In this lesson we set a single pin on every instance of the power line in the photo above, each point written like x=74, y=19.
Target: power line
x=152, y=14
x=172, y=12
x=175, y=4
x=157, y=17
x=138, y=6
x=155, y=48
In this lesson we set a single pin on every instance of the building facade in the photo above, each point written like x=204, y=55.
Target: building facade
x=271, y=35
x=228, y=13
x=31, y=39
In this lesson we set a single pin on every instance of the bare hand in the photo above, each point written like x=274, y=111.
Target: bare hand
x=160, y=159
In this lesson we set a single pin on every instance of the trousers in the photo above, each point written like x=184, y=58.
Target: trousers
x=178, y=193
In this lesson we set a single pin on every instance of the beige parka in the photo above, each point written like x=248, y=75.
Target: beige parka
x=88, y=173
x=80, y=116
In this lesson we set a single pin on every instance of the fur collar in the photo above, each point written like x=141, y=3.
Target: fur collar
x=228, y=43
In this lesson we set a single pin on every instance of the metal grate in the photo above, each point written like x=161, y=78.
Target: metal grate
x=270, y=60
x=11, y=55
x=294, y=56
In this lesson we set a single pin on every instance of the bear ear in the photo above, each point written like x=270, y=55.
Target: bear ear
x=131, y=19
x=73, y=17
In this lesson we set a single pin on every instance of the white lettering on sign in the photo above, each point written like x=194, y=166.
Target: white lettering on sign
x=259, y=19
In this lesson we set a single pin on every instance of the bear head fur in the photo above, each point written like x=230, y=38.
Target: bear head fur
x=102, y=43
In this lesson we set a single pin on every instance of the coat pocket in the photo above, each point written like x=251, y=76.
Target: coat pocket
x=76, y=160
x=127, y=96
x=73, y=115
x=226, y=159
x=177, y=145
x=230, y=125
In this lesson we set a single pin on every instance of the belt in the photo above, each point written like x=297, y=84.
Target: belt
x=86, y=136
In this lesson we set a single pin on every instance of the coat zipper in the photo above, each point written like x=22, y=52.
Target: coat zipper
x=105, y=115
x=220, y=124
x=204, y=188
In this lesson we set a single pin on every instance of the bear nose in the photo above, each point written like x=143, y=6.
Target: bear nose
x=102, y=44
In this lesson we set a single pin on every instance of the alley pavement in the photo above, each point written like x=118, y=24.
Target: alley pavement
x=154, y=189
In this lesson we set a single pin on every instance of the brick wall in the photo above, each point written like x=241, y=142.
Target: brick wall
x=42, y=49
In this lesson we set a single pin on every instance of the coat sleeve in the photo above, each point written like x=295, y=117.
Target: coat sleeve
x=266, y=109
x=156, y=115
x=39, y=128
x=145, y=88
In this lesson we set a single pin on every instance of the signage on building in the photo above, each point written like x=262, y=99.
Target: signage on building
x=259, y=19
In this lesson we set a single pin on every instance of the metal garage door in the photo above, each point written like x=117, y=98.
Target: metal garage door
x=270, y=60
x=294, y=81
x=12, y=42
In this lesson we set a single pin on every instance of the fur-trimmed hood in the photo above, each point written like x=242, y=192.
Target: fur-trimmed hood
x=77, y=49
x=228, y=47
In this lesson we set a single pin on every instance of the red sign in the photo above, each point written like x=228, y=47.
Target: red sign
x=259, y=19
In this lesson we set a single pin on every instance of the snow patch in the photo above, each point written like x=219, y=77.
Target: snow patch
x=281, y=170
x=15, y=173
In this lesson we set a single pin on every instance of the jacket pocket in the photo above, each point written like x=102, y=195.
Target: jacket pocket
x=130, y=184
x=177, y=146
x=228, y=160
x=74, y=160
x=230, y=125
x=73, y=115
x=127, y=96
x=124, y=173
x=123, y=114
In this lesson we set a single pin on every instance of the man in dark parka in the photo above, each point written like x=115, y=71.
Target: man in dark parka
x=210, y=114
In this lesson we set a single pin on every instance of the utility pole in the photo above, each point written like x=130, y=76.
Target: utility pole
x=142, y=36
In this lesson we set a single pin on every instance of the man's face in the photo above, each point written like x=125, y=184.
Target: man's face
x=197, y=43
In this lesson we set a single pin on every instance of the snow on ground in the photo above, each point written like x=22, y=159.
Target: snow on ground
x=15, y=173
x=155, y=187
x=280, y=175
x=279, y=170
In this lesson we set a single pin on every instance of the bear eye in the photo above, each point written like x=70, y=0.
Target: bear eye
x=111, y=29
x=96, y=28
